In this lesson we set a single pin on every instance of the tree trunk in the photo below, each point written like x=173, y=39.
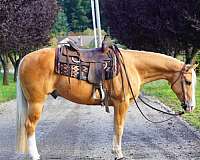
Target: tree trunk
x=5, y=74
x=188, y=58
x=15, y=63
x=4, y=62
x=190, y=54
x=16, y=70
x=176, y=52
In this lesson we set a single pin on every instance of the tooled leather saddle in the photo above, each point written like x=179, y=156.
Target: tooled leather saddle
x=92, y=65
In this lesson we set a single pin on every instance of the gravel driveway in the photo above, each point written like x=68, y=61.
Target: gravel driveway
x=69, y=131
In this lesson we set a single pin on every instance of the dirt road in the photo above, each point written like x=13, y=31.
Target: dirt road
x=69, y=131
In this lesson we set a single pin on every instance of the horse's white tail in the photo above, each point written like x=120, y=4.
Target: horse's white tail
x=22, y=108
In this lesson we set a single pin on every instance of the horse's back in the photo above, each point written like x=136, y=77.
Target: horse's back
x=43, y=57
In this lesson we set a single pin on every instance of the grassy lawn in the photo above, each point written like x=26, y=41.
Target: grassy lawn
x=162, y=91
x=7, y=92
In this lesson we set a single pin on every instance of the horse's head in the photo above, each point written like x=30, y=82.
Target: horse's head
x=183, y=84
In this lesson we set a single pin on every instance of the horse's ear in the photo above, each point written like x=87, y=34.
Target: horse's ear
x=188, y=67
x=194, y=66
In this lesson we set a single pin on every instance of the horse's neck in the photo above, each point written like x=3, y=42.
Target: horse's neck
x=153, y=66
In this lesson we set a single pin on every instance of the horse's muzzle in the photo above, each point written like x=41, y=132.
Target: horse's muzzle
x=187, y=106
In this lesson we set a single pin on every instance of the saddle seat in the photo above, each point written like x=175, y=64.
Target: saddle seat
x=94, y=55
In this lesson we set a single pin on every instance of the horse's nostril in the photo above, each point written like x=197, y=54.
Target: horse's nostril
x=184, y=106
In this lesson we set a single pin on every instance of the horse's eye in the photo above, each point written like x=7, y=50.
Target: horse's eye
x=188, y=82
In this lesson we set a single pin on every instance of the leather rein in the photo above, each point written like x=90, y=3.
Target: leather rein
x=150, y=106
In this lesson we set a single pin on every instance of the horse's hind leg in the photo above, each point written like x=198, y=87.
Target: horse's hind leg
x=120, y=110
x=34, y=112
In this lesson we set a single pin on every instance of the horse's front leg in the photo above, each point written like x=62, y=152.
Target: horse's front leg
x=120, y=110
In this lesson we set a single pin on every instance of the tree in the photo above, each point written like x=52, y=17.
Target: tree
x=24, y=26
x=78, y=14
x=60, y=26
x=158, y=25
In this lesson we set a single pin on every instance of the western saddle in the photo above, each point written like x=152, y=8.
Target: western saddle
x=92, y=65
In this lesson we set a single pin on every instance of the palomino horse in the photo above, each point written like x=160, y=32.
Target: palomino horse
x=37, y=80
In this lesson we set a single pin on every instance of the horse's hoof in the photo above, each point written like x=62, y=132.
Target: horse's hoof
x=119, y=158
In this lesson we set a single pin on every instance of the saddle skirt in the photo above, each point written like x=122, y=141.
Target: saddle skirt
x=92, y=65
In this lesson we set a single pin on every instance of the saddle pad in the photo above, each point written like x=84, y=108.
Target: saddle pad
x=69, y=64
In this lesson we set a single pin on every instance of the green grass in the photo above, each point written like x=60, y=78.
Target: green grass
x=7, y=92
x=163, y=92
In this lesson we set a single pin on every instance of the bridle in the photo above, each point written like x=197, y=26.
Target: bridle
x=183, y=84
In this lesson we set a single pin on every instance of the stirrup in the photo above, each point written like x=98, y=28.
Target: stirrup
x=94, y=94
x=101, y=92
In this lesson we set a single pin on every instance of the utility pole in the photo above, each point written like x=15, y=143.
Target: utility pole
x=94, y=23
x=98, y=22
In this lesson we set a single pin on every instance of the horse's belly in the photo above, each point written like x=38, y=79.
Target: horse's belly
x=77, y=91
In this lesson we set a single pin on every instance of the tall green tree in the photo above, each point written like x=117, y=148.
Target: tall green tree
x=78, y=14
x=60, y=26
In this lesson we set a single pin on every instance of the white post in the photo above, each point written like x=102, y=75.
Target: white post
x=94, y=23
x=98, y=22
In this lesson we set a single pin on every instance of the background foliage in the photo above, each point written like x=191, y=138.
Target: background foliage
x=60, y=27
x=161, y=26
x=78, y=12
x=24, y=26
